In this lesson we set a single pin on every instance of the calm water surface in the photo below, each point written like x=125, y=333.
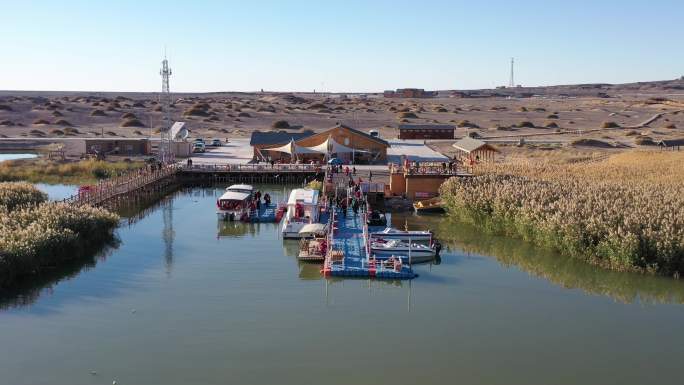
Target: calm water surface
x=13, y=156
x=184, y=299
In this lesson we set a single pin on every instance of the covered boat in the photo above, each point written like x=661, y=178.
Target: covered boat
x=235, y=202
x=313, y=230
x=413, y=236
x=302, y=209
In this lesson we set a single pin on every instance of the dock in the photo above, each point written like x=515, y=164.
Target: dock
x=349, y=254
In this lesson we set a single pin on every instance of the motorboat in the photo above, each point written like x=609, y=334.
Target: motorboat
x=313, y=250
x=376, y=218
x=396, y=247
x=392, y=233
x=302, y=209
x=235, y=202
x=313, y=230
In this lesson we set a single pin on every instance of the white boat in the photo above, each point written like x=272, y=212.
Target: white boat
x=392, y=233
x=235, y=202
x=396, y=247
x=302, y=209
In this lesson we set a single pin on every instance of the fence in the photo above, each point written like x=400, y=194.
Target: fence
x=251, y=168
x=109, y=188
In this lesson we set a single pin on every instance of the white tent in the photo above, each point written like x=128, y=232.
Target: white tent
x=294, y=149
x=330, y=146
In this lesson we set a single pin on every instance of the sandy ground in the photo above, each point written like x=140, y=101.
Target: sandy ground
x=555, y=120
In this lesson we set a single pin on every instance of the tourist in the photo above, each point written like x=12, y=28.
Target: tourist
x=354, y=170
x=267, y=199
x=370, y=175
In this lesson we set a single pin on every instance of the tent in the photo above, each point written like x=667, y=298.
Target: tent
x=293, y=149
x=330, y=146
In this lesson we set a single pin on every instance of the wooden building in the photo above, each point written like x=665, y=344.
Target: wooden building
x=343, y=142
x=474, y=150
x=426, y=131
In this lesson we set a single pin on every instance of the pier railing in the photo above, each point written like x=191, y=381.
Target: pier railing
x=251, y=168
x=107, y=189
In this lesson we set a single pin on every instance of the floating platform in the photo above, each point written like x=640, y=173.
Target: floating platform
x=265, y=214
x=348, y=256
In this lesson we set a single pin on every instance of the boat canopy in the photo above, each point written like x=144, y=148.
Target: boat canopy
x=235, y=196
x=240, y=187
x=304, y=196
x=312, y=228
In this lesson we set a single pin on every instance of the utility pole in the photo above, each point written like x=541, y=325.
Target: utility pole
x=165, y=155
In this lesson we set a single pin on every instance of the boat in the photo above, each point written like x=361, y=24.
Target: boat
x=392, y=233
x=376, y=218
x=313, y=230
x=395, y=247
x=235, y=202
x=313, y=250
x=302, y=209
x=434, y=205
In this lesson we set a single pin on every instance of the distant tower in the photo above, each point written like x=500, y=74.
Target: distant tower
x=165, y=155
x=511, y=82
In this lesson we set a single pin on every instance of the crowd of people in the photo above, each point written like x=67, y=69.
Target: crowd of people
x=256, y=200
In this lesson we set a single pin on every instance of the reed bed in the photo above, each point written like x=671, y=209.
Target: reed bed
x=624, y=213
x=36, y=234
x=48, y=171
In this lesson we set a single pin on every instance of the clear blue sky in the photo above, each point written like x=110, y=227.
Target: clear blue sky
x=344, y=45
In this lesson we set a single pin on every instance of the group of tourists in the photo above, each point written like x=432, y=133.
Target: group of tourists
x=355, y=201
x=256, y=201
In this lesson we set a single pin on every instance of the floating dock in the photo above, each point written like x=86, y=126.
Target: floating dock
x=265, y=214
x=348, y=254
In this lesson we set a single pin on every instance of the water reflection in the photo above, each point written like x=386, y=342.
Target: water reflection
x=28, y=290
x=566, y=272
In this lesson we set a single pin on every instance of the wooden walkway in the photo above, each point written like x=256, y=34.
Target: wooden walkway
x=252, y=168
x=147, y=178
x=108, y=189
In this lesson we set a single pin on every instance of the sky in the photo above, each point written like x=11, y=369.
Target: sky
x=335, y=46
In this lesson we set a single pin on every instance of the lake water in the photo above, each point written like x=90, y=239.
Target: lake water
x=184, y=299
x=14, y=156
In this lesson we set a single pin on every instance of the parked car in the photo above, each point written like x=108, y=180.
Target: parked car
x=199, y=140
x=198, y=147
x=216, y=143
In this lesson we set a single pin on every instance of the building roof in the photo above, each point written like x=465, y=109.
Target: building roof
x=276, y=137
x=469, y=144
x=671, y=142
x=426, y=127
x=368, y=136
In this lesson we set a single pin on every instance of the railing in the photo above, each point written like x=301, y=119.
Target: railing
x=202, y=167
x=111, y=187
x=427, y=168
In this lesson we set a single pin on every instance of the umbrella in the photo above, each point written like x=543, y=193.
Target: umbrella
x=335, y=161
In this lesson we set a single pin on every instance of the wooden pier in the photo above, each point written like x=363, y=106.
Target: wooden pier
x=153, y=179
